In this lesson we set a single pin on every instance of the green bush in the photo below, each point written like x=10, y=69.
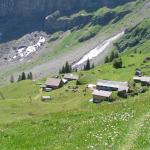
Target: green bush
x=117, y=63
x=90, y=33
x=87, y=36
x=133, y=36
x=85, y=79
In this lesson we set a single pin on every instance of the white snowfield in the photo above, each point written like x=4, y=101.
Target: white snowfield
x=97, y=50
x=26, y=51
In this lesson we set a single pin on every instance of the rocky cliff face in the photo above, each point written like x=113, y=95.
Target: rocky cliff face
x=36, y=8
x=18, y=17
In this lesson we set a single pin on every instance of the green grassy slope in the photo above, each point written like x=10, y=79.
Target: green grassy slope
x=70, y=121
x=134, y=36
x=100, y=127
x=23, y=89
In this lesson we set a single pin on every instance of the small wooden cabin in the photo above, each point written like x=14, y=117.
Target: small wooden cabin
x=54, y=83
x=99, y=96
x=107, y=85
x=45, y=98
x=144, y=80
x=71, y=77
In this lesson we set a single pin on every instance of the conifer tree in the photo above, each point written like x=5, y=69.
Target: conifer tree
x=88, y=65
x=67, y=67
x=84, y=68
x=19, y=78
x=23, y=76
x=106, y=59
x=116, y=55
x=12, y=79
x=117, y=63
x=112, y=56
x=28, y=76
x=31, y=76
x=93, y=66
x=63, y=69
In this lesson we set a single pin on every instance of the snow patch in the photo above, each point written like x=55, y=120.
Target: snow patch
x=14, y=57
x=97, y=50
x=24, y=52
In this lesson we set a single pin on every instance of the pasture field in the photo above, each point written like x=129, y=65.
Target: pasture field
x=69, y=121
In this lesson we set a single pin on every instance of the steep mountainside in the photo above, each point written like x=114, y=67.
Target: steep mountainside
x=134, y=36
x=78, y=28
x=27, y=16
x=69, y=121
x=37, y=8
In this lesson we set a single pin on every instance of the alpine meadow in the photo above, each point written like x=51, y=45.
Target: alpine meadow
x=75, y=75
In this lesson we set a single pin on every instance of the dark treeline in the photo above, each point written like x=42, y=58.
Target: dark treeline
x=88, y=65
x=115, y=58
x=67, y=68
x=112, y=56
x=22, y=77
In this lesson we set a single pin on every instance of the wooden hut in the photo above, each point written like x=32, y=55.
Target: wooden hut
x=70, y=77
x=107, y=85
x=54, y=83
x=99, y=96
